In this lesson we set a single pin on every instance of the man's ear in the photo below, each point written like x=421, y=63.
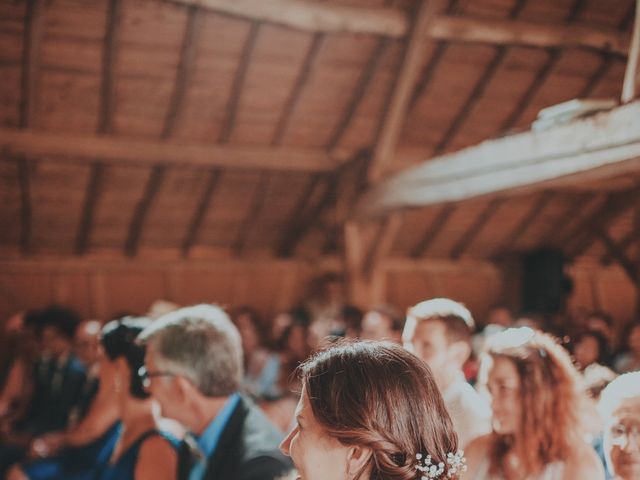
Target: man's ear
x=460, y=352
x=357, y=458
x=183, y=389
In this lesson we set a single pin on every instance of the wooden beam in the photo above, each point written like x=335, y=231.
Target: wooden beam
x=627, y=265
x=603, y=145
x=622, y=245
x=397, y=109
x=109, y=62
x=114, y=150
x=551, y=232
x=631, y=85
x=395, y=23
x=94, y=187
x=598, y=75
x=184, y=70
x=31, y=42
x=287, y=243
x=301, y=223
x=301, y=81
x=257, y=205
x=313, y=16
x=475, y=95
x=434, y=229
x=201, y=211
x=616, y=205
x=363, y=84
x=476, y=227
x=142, y=209
x=428, y=73
x=237, y=86
x=519, y=230
x=26, y=211
x=382, y=243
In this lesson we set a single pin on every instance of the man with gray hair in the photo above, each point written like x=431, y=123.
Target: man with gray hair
x=619, y=407
x=193, y=368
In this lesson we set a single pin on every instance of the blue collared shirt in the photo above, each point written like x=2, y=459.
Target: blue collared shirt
x=208, y=441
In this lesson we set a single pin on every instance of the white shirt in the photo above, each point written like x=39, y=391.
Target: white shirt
x=469, y=411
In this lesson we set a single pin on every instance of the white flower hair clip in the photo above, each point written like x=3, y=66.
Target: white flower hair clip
x=456, y=463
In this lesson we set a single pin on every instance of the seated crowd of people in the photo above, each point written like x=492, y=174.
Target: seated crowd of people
x=319, y=394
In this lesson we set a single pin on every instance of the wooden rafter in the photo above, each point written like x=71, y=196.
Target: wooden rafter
x=361, y=88
x=301, y=81
x=480, y=87
x=142, y=209
x=257, y=206
x=383, y=242
x=433, y=230
x=201, y=211
x=184, y=70
x=428, y=73
x=31, y=40
x=287, y=243
x=536, y=209
x=109, y=62
x=396, y=112
x=600, y=146
x=617, y=204
x=395, y=23
x=623, y=245
x=615, y=252
x=562, y=230
x=476, y=227
x=631, y=86
x=299, y=228
x=231, y=110
x=94, y=187
x=112, y=150
x=553, y=56
x=25, y=205
x=595, y=79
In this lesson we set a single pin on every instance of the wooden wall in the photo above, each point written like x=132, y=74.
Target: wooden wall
x=104, y=288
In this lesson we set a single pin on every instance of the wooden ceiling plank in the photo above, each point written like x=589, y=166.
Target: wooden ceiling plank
x=26, y=209
x=287, y=245
x=396, y=112
x=363, y=84
x=109, y=63
x=476, y=227
x=113, y=150
x=296, y=92
x=92, y=196
x=257, y=206
x=183, y=72
x=33, y=31
x=142, y=209
x=618, y=254
x=520, y=229
x=617, y=204
x=201, y=211
x=555, y=229
x=240, y=77
x=433, y=230
x=600, y=146
x=479, y=88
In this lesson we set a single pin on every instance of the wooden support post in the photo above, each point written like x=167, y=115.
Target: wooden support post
x=631, y=86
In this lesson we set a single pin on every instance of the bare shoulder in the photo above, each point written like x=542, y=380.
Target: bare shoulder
x=584, y=463
x=157, y=459
x=477, y=452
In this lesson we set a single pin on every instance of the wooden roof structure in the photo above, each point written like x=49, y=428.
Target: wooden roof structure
x=251, y=128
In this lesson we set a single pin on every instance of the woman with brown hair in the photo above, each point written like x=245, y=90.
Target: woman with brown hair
x=538, y=427
x=371, y=411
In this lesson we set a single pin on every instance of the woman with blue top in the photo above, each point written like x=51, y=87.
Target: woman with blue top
x=145, y=448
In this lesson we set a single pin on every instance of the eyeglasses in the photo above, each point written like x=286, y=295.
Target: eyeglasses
x=621, y=434
x=146, y=376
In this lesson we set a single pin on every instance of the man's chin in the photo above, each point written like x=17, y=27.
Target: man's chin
x=628, y=470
